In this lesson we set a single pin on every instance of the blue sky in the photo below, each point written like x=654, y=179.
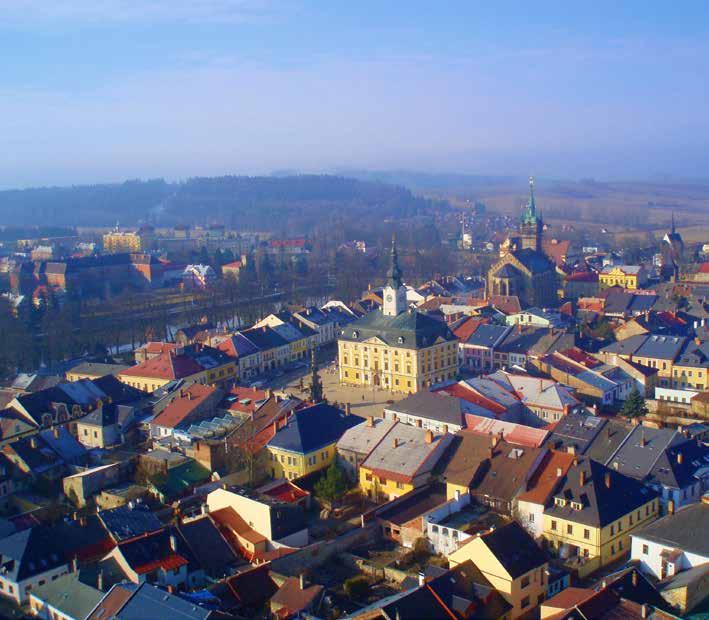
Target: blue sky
x=102, y=90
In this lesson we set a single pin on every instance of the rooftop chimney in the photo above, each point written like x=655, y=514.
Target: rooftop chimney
x=173, y=543
x=422, y=578
x=33, y=442
x=301, y=580
x=370, y=421
x=607, y=479
x=571, y=449
x=582, y=477
x=429, y=437
x=644, y=610
x=348, y=409
x=559, y=472
x=75, y=565
x=99, y=580
x=635, y=579
x=680, y=458
x=643, y=441
x=56, y=432
x=395, y=443
x=670, y=507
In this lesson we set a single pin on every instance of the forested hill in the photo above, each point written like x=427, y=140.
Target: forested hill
x=293, y=203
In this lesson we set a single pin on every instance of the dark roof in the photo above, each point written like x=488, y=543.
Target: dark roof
x=487, y=335
x=607, y=441
x=535, y=262
x=601, y=504
x=145, y=553
x=30, y=552
x=408, y=330
x=643, y=446
x=125, y=522
x=681, y=530
x=661, y=347
x=679, y=465
x=413, y=504
x=148, y=601
x=65, y=445
x=577, y=430
x=313, y=428
x=207, y=546
x=522, y=342
x=431, y=406
x=250, y=588
x=101, y=416
x=264, y=338
x=515, y=549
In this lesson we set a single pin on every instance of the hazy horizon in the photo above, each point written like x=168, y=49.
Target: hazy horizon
x=109, y=90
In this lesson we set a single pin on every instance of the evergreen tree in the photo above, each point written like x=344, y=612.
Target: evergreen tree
x=333, y=485
x=634, y=406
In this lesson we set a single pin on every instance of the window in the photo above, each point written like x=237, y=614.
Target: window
x=587, y=534
x=620, y=545
x=612, y=549
x=368, y=477
x=569, y=528
x=434, y=529
x=646, y=550
x=399, y=485
x=525, y=581
x=612, y=530
x=525, y=602
x=553, y=525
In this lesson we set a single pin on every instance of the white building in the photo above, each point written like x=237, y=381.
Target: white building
x=674, y=543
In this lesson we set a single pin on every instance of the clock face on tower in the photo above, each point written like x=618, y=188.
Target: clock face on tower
x=389, y=298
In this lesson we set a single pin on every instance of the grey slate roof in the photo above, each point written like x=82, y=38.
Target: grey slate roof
x=536, y=262
x=662, y=347
x=148, y=601
x=577, y=430
x=515, y=549
x=607, y=441
x=487, y=335
x=124, y=523
x=641, y=450
x=680, y=530
x=408, y=330
x=430, y=406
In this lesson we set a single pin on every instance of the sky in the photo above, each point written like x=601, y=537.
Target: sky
x=105, y=90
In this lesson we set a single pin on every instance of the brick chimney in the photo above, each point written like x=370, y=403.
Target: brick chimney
x=582, y=477
x=680, y=458
x=635, y=579
x=670, y=507
x=429, y=437
x=395, y=443
x=370, y=421
x=607, y=479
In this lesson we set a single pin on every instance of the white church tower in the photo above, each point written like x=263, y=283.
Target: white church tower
x=394, y=292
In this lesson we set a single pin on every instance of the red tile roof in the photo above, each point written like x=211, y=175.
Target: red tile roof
x=468, y=327
x=165, y=366
x=552, y=470
x=155, y=348
x=704, y=268
x=294, y=598
x=458, y=391
x=556, y=250
x=518, y=434
x=170, y=562
x=506, y=304
x=184, y=405
x=286, y=492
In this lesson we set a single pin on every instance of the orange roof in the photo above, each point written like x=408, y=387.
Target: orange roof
x=171, y=562
x=228, y=518
x=468, y=327
x=237, y=264
x=551, y=471
x=704, y=268
x=180, y=409
x=156, y=348
x=556, y=250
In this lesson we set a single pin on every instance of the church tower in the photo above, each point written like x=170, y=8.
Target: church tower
x=530, y=227
x=394, y=292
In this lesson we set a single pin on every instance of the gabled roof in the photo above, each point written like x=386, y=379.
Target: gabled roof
x=604, y=495
x=487, y=335
x=430, y=406
x=264, y=338
x=515, y=549
x=148, y=553
x=535, y=262
x=363, y=438
x=637, y=455
x=68, y=595
x=313, y=428
x=30, y=552
x=124, y=523
x=207, y=545
x=181, y=408
x=294, y=598
x=404, y=453
x=127, y=601
x=548, y=477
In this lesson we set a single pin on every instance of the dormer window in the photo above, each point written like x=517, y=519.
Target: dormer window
x=400, y=340
x=576, y=505
x=559, y=501
x=355, y=334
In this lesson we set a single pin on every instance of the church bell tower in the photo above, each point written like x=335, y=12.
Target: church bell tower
x=530, y=227
x=394, y=292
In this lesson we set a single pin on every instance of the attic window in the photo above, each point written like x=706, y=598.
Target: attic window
x=560, y=501
x=400, y=340
x=355, y=334
x=576, y=506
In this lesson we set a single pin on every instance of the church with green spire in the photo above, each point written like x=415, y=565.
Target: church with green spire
x=396, y=348
x=523, y=269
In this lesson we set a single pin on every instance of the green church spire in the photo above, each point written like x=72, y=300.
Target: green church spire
x=530, y=212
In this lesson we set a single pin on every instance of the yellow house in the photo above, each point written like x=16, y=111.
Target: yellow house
x=402, y=461
x=93, y=370
x=307, y=443
x=691, y=368
x=194, y=363
x=512, y=562
x=593, y=514
x=630, y=277
x=122, y=241
x=396, y=348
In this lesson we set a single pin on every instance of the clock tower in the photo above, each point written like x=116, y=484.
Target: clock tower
x=394, y=294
